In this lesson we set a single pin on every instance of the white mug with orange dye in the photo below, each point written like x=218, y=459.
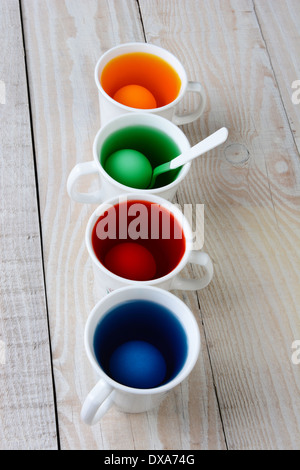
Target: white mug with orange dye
x=154, y=69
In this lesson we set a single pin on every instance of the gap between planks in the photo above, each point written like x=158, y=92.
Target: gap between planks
x=39, y=217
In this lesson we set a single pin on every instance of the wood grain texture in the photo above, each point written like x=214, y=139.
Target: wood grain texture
x=27, y=413
x=250, y=188
x=63, y=42
x=249, y=315
x=279, y=22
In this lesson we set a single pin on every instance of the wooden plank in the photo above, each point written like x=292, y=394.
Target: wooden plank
x=27, y=413
x=250, y=188
x=279, y=21
x=63, y=42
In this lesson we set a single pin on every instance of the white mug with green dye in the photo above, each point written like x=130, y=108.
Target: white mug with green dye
x=155, y=137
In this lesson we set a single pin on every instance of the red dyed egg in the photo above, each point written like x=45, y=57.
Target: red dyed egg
x=131, y=261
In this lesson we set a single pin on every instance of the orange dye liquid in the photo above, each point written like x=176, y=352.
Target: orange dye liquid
x=146, y=70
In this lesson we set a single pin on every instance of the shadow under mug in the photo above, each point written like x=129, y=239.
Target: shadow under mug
x=127, y=128
x=143, y=75
x=170, y=251
x=163, y=328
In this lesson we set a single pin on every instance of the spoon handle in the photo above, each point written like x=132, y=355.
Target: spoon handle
x=204, y=146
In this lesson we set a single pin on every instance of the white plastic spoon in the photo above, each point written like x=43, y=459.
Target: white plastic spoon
x=212, y=141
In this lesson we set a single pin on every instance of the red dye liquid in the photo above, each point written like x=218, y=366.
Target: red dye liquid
x=147, y=224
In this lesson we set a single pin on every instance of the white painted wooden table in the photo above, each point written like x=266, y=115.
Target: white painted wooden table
x=244, y=390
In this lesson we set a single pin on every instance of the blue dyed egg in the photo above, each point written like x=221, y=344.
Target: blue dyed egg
x=138, y=364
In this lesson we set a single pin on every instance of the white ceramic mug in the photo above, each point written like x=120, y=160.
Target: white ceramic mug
x=108, y=391
x=110, y=187
x=106, y=281
x=109, y=108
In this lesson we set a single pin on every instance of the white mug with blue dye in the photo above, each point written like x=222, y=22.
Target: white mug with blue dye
x=142, y=342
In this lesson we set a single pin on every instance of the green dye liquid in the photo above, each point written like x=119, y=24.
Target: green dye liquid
x=157, y=146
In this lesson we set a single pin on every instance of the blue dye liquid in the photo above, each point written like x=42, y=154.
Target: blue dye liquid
x=141, y=320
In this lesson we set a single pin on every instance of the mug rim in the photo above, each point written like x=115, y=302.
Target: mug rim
x=187, y=231
x=182, y=75
x=138, y=116
x=192, y=354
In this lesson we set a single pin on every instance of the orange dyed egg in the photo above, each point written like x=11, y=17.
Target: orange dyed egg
x=135, y=96
x=131, y=261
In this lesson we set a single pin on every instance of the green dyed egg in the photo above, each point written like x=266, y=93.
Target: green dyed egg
x=129, y=167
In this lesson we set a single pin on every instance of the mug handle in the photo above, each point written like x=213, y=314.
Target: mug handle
x=192, y=87
x=97, y=403
x=79, y=170
x=202, y=259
